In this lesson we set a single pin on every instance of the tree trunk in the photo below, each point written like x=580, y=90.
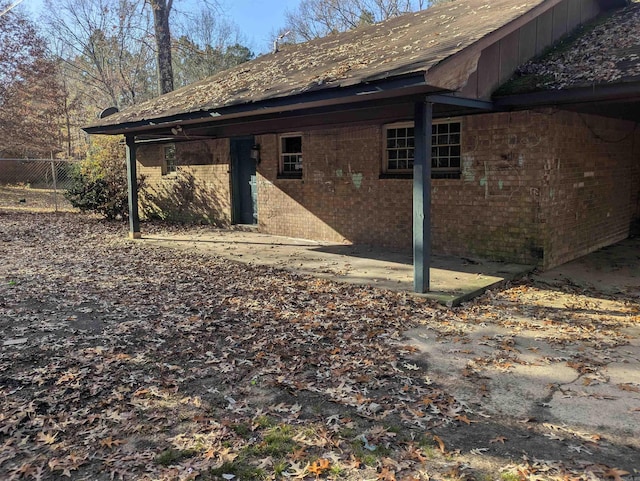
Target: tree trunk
x=161, y=10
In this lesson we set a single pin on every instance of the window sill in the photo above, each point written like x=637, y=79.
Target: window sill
x=290, y=176
x=399, y=175
x=434, y=175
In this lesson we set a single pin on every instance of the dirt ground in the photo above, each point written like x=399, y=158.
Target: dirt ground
x=127, y=360
x=27, y=199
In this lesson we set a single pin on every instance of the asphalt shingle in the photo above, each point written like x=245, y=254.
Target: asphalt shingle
x=604, y=51
x=409, y=44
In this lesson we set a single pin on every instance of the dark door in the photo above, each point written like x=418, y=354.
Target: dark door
x=243, y=181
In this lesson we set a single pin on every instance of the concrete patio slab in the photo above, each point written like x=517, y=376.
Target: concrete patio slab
x=453, y=279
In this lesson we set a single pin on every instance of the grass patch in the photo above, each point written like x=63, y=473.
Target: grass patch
x=367, y=457
x=173, y=456
x=509, y=477
x=277, y=442
x=337, y=470
x=264, y=422
x=239, y=468
x=242, y=429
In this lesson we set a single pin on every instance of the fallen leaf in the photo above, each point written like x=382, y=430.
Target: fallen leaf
x=47, y=438
x=319, y=466
x=440, y=442
x=629, y=387
x=464, y=419
x=615, y=474
x=386, y=474
x=109, y=442
x=297, y=471
x=479, y=451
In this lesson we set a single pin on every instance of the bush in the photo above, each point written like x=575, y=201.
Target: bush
x=99, y=183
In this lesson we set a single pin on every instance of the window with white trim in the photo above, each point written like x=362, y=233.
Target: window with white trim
x=290, y=156
x=445, y=148
x=400, y=147
x=170, y=164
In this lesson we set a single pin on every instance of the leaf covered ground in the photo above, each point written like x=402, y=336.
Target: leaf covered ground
x=122, y=360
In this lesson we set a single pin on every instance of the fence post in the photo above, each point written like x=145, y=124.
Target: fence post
x=54, y=176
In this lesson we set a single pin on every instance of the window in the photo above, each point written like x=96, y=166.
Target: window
x=400, y=147
x=445, y=149
x=291, y=156
x=170, y=164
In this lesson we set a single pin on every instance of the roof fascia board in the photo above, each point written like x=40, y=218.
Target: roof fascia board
x=396, y=87
x=267, y=114
x=460, y=102
x=379, y=112
x=599, y=93
x=469, y=56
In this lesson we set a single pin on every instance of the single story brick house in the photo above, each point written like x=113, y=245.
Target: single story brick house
x=434, y=130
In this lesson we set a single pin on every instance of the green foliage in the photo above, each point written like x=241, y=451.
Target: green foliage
x=99, y=183
x=277, y=442
x=173, y=456
x=240, y=469
x=242, y=429
x=507, y=476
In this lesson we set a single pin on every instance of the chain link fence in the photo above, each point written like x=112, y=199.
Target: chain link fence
x=35, y=184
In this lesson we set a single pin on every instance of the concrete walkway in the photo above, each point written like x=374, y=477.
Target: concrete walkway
x=453, y=279
x=558, y=357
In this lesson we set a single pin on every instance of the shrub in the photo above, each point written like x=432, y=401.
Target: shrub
x=99, y=183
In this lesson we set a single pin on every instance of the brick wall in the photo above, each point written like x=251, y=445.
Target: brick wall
x=198, y=192
x=489, y=212
x=536, y=187
x=636, y=180
x=515, y=201
x=591, y=184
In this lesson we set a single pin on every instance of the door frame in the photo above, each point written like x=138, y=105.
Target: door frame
x=238, y=195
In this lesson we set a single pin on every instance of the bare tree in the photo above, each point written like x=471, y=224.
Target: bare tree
x=104, y=47
x=318, y=18
x=30, y=101
x=161, y=11
x=205, y=43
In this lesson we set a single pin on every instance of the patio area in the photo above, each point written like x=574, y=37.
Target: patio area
x=453, y=279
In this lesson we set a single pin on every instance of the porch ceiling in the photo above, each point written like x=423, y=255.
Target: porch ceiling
x=620, y=101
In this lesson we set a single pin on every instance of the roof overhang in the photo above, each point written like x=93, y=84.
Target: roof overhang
x=621, y=100
x=362, y=93
x=375, y=101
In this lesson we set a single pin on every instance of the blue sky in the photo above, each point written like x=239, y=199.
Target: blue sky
x=257, y=19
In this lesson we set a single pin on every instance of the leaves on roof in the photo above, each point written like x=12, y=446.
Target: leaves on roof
x=605, y=51
x=409, y=44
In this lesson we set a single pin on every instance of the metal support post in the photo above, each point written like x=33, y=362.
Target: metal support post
x=422, y=197
x=132, y=184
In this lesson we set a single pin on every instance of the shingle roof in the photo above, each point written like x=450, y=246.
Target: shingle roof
x=604, y=52
x=409, y=44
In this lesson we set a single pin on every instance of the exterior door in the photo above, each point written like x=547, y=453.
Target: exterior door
x=243, y=181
